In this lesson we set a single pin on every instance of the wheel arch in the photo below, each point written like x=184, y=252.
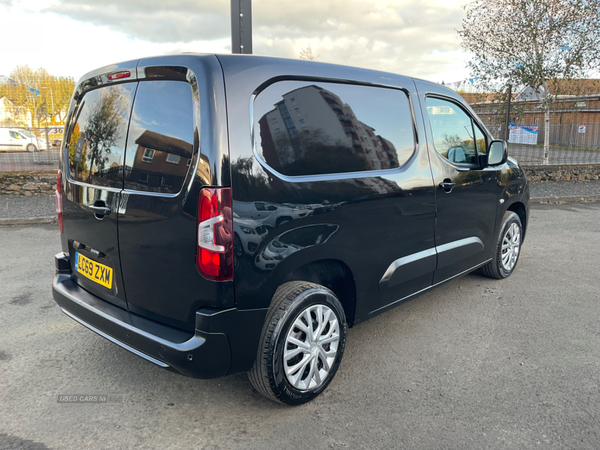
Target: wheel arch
x=333, y=274
x=519, y=209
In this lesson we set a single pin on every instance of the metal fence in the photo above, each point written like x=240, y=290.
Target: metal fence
x=576, y=143
x=569, y=144
x=30, y=149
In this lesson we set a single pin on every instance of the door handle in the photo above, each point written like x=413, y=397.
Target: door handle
x=447, y=185
x=100, y=210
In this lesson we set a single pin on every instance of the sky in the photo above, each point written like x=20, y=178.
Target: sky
x=71, y=37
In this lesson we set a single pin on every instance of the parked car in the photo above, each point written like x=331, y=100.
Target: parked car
x=247, y=235
x=53, y=134
x=154, y=209
x=291, y=241
x=16, y=139
x=271, y=215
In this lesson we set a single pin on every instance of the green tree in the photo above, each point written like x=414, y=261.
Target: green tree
x=52, y=102
x=537, y=43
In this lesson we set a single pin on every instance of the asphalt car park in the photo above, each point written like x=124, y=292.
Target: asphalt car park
x=477, y=363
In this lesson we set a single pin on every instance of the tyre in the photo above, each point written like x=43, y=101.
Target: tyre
x=30, y=148
x=302, y=343
x=507, y=248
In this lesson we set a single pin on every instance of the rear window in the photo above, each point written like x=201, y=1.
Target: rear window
x=97, y=141
x=304, y=128
x=161, y=137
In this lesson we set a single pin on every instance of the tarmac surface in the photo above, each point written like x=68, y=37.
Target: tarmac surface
x=21, y=210
x=474, y=364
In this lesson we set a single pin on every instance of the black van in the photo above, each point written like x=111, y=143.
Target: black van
x=222, y=214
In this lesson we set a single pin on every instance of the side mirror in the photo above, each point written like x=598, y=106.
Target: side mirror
x=497, y=153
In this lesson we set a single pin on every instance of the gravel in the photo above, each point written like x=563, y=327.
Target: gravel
x=474, y=364
x=22, y=207
x=554, y=189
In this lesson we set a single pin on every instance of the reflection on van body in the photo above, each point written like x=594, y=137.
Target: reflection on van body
x=161, y=139
x=270, y=214
x=98, y=136
x=160, y=164
x=291, y=241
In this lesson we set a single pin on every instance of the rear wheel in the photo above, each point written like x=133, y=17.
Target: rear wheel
x=302, y=343
x=31, y=148
x=507, y=248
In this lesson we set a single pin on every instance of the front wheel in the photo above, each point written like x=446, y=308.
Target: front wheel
x=302, y=343
x=507, y=248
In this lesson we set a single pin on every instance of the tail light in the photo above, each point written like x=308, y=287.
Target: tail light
x=58, y=200
x=215, y=234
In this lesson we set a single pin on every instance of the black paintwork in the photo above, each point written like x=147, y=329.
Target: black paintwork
x=374, y=237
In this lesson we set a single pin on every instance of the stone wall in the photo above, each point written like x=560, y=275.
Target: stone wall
x=537, y=174
x=27, y=183
x=44, y=183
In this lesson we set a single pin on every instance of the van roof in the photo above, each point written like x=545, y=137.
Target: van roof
x=296, y=67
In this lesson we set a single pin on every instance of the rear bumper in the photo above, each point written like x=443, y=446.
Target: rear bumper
x=202, y=354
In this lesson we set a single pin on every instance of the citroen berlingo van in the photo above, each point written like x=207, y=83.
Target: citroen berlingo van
x=230, y=213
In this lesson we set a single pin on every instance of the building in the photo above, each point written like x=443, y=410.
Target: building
x=13, y=116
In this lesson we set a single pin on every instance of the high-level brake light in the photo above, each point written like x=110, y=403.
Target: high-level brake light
x=119, y=75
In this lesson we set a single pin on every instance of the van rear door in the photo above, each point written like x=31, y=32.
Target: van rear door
x=172, y=135
x=93, y=164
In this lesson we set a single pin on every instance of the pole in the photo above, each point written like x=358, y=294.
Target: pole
x=506, y=131
x=52, y=102
x=241, y=26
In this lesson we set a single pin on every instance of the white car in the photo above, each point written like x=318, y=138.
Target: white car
x=16, y=139
x=249, y=232
x=270, y=214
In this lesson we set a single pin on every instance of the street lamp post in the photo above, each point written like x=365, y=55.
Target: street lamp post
x=241, y=26
x=506, y=130
x=51, y=116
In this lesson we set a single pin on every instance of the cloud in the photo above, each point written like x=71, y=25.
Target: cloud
x=415, y=38
x=158, y=22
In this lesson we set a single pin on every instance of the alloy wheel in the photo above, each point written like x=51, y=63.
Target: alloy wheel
x=311, y=347
x=511, y=244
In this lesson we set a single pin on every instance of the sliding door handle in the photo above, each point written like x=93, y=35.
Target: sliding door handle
x=100, y=210
x=447, y=185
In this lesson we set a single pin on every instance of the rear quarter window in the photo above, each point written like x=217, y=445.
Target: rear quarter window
x=312, y=128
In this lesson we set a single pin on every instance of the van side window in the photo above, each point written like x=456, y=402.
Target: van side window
x=96, y=143
x=453, y=132
x=310, y=128
x=161, y=137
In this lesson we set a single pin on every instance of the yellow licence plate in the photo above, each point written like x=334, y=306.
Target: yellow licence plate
x=93, y=270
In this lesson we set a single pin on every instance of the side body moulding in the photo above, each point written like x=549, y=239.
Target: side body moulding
x=420, y=263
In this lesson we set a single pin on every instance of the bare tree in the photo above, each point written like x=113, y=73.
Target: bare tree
x=307, y=53
x=537, y=43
